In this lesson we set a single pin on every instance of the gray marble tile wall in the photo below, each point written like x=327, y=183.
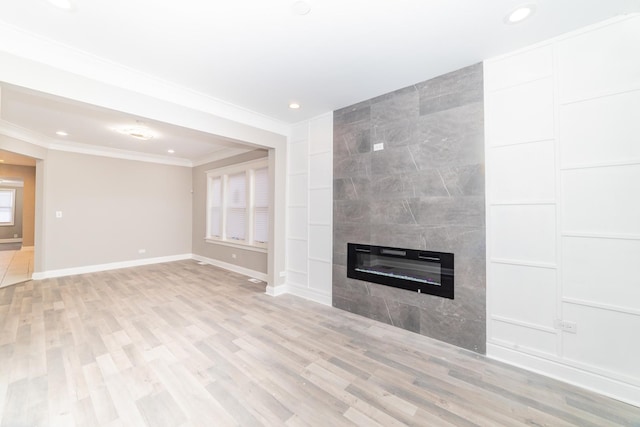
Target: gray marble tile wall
x=424, y=190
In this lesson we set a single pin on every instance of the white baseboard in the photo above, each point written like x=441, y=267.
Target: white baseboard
x=307, y=293
x=231, y=267
x=11, y=240
x=615, y=389
x=292, y=289
x=105, y=267
x=276, y=291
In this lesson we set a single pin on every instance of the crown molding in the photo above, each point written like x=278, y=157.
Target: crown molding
x=74, y=147
x=16, y=132
x=221, y=154
x=26, y=135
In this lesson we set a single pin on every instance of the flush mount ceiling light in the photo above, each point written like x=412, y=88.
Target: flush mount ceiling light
x=171, y=151
x=294, y=105
x=62, y=133
x=520, y=13
x=301, y=8
x=62, y=4
x=138, y=131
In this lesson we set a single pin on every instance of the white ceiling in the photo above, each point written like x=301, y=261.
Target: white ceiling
x=259, y=55
x=96, y=127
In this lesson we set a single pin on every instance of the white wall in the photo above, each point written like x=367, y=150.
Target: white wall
x=563, y=208
x=111, y=210
x=309, y=209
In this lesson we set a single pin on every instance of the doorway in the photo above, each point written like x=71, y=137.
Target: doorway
x=17, y=217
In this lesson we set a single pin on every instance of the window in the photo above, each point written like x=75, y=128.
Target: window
x=236, y=207
x=238, y=204
x=261, y=205
x=7, y=206
x=215, y=207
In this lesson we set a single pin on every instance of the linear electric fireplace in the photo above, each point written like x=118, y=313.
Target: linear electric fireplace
x=415, y=270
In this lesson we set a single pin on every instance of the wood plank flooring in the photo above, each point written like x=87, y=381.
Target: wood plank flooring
x=182, y=344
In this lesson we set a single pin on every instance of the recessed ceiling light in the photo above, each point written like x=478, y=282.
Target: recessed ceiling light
x=301, y=8
x=62, y=4
x=1, y=160
x=62, y=133
x=294, y=105
x=171, y=151
x=520, y=13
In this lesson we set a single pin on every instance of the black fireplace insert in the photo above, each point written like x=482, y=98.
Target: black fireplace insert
x=414, y=270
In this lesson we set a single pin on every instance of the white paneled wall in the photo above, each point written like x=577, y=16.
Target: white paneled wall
x=524, y=172
x=563, y=207
x=310, y=199
x=604, y=130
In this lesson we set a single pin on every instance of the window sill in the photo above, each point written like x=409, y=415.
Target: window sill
x=236, y=245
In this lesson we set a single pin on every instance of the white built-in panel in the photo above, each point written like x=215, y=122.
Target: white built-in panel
x=321, y=134
x=320, y=242
x=297, y=255
x=594, y=93
x=296, y=278
x=600, y=130
x=298, y=158
x=300, y=132
x=523, y=172
x=298, y=190
x=309, y=230
x=526, y=294
x=604, y=339
x=297, y=222
x=517, y=69
x=602, y=200
x=321, y=170
x=320, y=275
x=600, y=62
x=603, y=271
x=521, y=113
x=320, y=206
x=524, y=233
x=523, y=337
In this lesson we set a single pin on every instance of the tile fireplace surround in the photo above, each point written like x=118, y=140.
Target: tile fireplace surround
x=423, y=190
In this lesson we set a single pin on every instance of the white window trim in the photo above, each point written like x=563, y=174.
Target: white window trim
x=224, y=172
x=233, y=244
x=13, y=208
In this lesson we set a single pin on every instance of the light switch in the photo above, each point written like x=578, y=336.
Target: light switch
x=58, y=214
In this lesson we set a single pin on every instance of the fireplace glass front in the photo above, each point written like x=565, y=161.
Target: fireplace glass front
x=415, y=270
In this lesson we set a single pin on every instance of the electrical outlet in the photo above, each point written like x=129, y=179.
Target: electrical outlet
x=58, y=214
x=566, y=326
x=379, y=146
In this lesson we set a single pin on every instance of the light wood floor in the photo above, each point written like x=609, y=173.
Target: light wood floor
x=182, y=344
x=16, y=266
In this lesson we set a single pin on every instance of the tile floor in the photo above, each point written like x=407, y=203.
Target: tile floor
x=16, y=266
